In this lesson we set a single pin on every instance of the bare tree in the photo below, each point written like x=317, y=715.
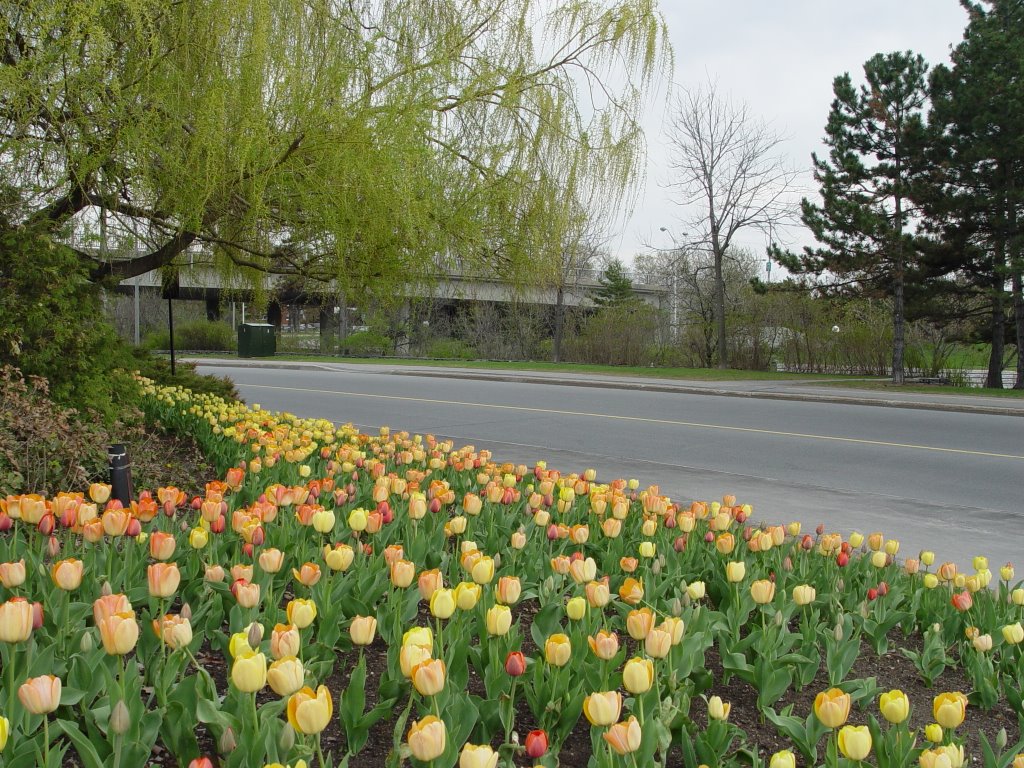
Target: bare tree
x=728, y=175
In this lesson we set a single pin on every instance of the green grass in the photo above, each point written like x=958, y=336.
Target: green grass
x=693, y=374
x=936, y=389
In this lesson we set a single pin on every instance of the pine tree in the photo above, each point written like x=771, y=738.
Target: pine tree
x=977, y=200
x=616, y=286
x=875, y=135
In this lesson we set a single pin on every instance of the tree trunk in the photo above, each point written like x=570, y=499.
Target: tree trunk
x=898, y=321
x=723, y=350
x=559, y=324
x=994, y=380
x=1018, y=316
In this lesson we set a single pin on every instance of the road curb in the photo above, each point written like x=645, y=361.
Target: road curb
x=922, y=405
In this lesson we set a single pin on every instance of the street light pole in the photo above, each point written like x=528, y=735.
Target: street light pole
x=674, y=266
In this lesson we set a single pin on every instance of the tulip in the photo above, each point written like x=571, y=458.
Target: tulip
x=40, y=695
x=339, y=557
x=249, y=671
x=508, y=590
x=933, y=733
x=658, y=643
x=175, y=631
x=832, y=707
x=735, y=570
x=717, y=709
x=308, y=575
x=410, y=656
x=467, y=595
x=603, y=708
x=427, y=738
x=536, y=744
x=638, y=675
x=16, y=620
x=598, y=594
x=515, y=664
x=557, y=650
x=604, y=644
x=5, y=730
x=696, y=590
x=783, y=759
x=161, y=545
x=323, y=521
x=428, y=677
x=204, y=762
x=309, y=712
x=198, y=538
x=624, y=738
x=301, y=612
x=358, y=519
x=804, y=594
x=362, y=630
x=576, y=608
x=12, y=574
x=214, y=573
x=631, y=591
x=271, y=560
x=855, y=741
x=1006, y=573
x=246, y=594
x=1013, y=633
x=982, y=643
x=286, y=676
x=284, y=641
x=99, y=492
x=119, y=633
x=473, y=756
x=163, y=579
x=763, y=591
x=949, y=709
x=442, y=604
x=421, y=636
x=498, y=620
x=483, y=570
x=428, y=582
x=402, y=573
x=894, y=706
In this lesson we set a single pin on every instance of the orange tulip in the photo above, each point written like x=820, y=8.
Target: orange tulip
x=631, y=591
x=67, y=574
x=309, y=712
x=624, y=737
x=161, y=545
x=163, y=579
x=119, y=633
x=308, y=574
x=40, y=695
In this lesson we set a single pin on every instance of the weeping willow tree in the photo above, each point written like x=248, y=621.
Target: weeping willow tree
x=358, y=142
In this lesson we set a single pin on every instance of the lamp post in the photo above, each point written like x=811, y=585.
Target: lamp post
x=674, y=266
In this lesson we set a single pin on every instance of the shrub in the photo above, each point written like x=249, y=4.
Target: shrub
x=200, y=336
x=451, y=349
x=366, y=343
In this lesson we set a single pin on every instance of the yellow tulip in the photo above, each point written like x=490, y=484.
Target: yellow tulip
x=1013, y=633
x=832, y=707
x=804, y=594
x=249, y=671
x=557, y=650
x=933, y=733
x=467, y=595
x=763, y=591
x=40, y=695
x=783, y=759
x=658, y=643
x=894, y=706
x=442, y=604
x=638, y=675
x=363, y=630
x=576, y=608
x=478, y=756
x=310, y=712
x=5, y=730
x=855, y=741
x=717, y=709
x=949, y=709
x=301, y=612
x=604, y=644
x=603, y=708
x=427, y=738
x=119, y=633
x=286, y=676
x=735, y=570
x=498, y=620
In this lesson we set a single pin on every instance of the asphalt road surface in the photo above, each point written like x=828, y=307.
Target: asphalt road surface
x=951, y=482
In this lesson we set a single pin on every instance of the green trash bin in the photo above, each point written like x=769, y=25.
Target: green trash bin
x=256, y=340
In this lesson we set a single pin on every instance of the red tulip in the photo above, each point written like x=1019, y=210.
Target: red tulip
x=47, y=524
x=872, y=593
x=962, y=601
x=536, y=743
x=515, y=664
x=883, y=589
x=842, y=559
x=201, y=762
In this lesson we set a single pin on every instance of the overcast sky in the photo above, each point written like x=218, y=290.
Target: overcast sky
x=779, y=57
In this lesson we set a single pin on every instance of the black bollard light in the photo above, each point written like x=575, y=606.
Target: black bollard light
x=120, y=474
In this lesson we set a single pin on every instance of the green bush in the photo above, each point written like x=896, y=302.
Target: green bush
x=451, y=349
x=52, y=326
x=366, y=343
x=199, y=336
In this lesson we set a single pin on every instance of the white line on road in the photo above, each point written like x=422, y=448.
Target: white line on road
x=642, y=419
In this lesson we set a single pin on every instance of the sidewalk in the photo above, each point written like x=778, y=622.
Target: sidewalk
x=798, y=390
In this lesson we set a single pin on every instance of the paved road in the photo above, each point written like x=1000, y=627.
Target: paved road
x=948, y=481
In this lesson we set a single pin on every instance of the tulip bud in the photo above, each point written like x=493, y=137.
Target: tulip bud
x=286, y=741
x=226, y=743
x=120, y=718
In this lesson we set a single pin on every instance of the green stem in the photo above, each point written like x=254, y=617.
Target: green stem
x=46, y=740
x=256, y=718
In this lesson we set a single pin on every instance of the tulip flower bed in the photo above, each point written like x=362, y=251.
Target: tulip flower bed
x=340, y=599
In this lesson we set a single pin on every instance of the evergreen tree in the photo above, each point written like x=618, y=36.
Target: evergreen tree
x=875, y=135
x=616, y=286
x=977, y=198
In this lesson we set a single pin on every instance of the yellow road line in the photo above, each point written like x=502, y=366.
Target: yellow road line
x=645, y=420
